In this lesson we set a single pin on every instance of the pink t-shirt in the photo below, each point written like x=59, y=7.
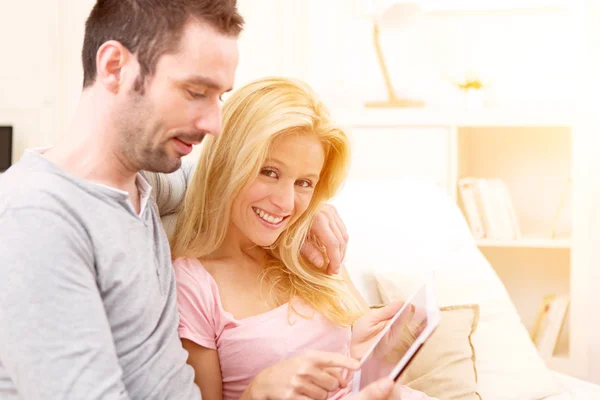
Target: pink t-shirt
x=250, y=345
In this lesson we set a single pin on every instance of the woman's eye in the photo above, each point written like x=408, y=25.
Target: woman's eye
x=305, y=184
x=269, y=172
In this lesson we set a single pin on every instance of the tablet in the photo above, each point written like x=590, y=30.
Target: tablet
x=397, y=344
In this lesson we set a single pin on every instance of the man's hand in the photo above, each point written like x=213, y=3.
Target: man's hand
x=327, y=230
x=312, y=375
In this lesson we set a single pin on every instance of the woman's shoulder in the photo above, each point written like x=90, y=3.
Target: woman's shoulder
x=190, y=267
x=194, y=284
x=187, y=262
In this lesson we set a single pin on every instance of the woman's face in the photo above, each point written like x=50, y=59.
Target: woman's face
x=282, y=191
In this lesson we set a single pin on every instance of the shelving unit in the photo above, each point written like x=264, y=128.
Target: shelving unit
x=540, y=155
x=527, y=243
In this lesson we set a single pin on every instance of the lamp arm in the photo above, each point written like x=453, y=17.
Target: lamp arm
x=386, y=75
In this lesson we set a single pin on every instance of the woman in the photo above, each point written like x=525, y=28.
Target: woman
x=247, y=298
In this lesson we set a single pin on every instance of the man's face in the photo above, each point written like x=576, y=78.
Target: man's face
x=180, y=102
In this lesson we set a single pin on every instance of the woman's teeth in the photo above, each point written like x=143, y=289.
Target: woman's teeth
x=269, y=218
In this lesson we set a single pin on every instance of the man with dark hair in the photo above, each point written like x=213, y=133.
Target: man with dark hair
x=87, y=293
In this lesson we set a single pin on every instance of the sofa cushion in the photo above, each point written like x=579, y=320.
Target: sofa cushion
x=445, y=367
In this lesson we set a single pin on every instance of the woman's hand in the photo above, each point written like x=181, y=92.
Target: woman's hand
x=312, y=375
x=367, y=327
x=386, y=389
x=380, y=390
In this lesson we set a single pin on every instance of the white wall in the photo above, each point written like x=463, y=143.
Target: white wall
x=73, y=16
x=530, y=60
x=590, y=83
x=29, y=71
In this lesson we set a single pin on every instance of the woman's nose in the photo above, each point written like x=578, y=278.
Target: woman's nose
x=283, y=197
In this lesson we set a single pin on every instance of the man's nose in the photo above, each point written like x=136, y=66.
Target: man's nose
x=210, y=120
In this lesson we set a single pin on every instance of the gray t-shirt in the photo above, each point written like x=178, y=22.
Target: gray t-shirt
x=87, y=292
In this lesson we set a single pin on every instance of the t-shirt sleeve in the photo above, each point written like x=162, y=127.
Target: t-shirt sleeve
x=199, y=316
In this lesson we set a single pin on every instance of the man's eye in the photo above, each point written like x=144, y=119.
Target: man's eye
x=195, y=95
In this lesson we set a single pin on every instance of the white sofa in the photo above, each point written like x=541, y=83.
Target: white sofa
x=408, y=225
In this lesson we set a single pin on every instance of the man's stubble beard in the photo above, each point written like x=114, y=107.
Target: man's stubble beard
x=139, y=127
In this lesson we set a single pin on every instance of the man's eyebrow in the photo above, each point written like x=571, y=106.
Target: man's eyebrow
x=200, y=80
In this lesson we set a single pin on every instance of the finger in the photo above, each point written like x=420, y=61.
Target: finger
x=326, y=379
x=323, y=235
x=333, y=268
x=327, y=237
x=380, y=390
x=339, y=375
x=332, y=360
x=312, y=391
x=313, y=254
x=387, y=312
x=342, y=227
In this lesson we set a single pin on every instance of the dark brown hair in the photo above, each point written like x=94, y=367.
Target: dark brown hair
x=150, y=28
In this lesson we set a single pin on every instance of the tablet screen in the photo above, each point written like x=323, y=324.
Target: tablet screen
x=400, y=339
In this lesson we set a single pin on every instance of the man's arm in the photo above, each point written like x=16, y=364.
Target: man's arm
x=55, y=339
x=168, y=190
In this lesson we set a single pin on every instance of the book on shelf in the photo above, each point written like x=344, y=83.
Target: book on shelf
x=549, y=324
x=471, y=206
x=489, y=208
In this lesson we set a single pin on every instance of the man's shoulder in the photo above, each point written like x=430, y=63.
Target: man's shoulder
x=26, y=187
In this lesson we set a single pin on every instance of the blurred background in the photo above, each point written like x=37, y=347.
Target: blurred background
x=529, y=55
x=496, y=101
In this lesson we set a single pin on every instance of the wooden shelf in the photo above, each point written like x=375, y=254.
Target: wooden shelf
x=535, y=152
x=527, y=242
x=423, y=117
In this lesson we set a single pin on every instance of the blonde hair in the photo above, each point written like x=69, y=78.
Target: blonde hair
x=254, y=117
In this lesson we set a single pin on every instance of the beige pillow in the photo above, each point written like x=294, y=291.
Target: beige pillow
x=445, y=367
x=508, y=366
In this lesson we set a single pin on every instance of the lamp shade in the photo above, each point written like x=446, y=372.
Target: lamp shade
x=393, y=13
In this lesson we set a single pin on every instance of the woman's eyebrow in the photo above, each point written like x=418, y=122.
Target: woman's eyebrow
x=315, y=176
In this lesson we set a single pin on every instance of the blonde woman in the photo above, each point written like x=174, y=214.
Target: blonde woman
x=247, y=298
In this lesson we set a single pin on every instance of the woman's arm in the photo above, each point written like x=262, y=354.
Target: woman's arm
x=207, y=370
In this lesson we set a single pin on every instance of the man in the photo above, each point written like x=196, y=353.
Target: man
x=87, y=295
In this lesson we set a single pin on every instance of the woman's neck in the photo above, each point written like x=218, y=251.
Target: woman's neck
x=249, y=261
x=237, y=246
